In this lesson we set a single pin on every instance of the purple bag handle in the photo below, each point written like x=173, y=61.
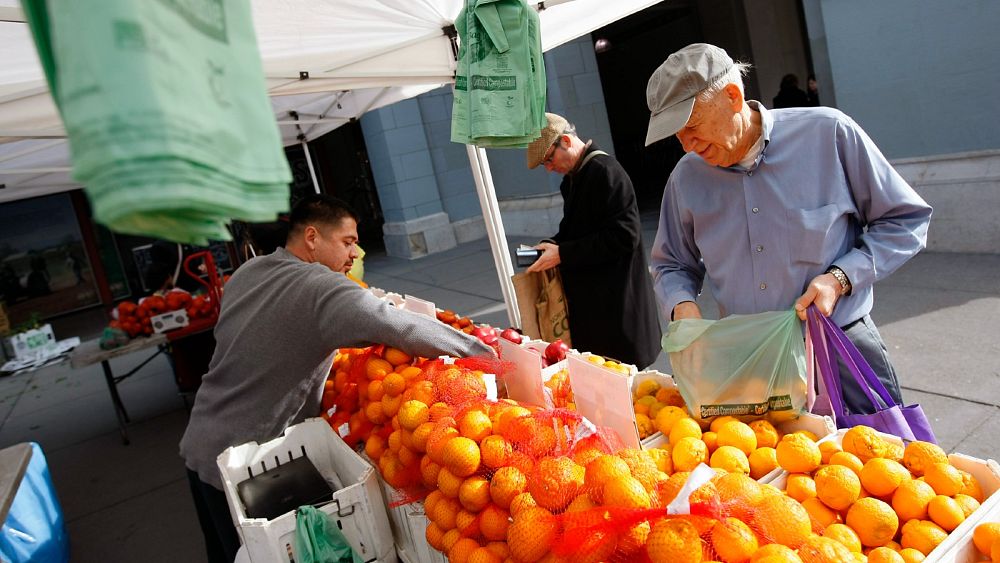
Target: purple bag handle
x=853, y=359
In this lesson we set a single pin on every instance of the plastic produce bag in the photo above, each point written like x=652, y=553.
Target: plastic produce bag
x=742, y=365
x=35, y=529
x=319, y=540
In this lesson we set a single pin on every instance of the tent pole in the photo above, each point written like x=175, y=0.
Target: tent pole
x=494, y=229
x=309, y=162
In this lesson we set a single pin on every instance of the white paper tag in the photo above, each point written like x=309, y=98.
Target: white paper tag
x=344, y=429
x=701, y=475
x=491, y=386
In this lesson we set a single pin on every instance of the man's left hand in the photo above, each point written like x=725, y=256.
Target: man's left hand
x=548, y=259
x=823, y=291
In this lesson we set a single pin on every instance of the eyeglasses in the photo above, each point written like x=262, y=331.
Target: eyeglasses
x=548, y=159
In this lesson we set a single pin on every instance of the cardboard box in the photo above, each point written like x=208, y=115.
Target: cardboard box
x=30, y=343
x=357, y=506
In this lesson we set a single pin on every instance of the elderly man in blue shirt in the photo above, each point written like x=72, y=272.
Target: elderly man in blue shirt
x=778, y=208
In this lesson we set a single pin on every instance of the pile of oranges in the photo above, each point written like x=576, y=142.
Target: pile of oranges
x=648, y=399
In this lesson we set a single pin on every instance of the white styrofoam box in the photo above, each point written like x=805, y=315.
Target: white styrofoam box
x=30, y=342
x=358, y=507
x=957, y=547
x=419, y=306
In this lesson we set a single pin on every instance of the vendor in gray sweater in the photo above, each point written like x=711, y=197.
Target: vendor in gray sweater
x=283, y=317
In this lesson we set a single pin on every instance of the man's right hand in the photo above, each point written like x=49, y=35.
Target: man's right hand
x=686, y=310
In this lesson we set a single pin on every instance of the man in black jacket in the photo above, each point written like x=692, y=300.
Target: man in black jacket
x=598, y=249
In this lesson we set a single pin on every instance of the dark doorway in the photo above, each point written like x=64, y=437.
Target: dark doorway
x=637, y=45
x=341, y=162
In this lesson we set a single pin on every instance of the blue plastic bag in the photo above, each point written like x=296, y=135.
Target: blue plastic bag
x=35, y=530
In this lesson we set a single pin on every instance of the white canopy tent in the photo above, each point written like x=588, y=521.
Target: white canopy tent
x=325, y=61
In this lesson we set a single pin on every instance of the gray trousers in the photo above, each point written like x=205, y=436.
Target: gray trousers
x=866, y=337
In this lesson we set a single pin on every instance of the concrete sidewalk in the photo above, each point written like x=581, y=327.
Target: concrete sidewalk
x=939, y=315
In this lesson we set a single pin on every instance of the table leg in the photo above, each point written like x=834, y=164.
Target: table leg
x=120, y=412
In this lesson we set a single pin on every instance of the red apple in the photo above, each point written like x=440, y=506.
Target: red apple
x=511, y=334
x=556, y=352
x=487, y=334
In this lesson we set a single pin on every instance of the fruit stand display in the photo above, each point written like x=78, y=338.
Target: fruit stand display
x=472, y=476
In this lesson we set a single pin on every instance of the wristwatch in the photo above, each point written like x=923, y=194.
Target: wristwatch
x=845, y=284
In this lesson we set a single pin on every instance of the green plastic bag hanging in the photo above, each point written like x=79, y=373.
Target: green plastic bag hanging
x=319, y=540
x=742, y=365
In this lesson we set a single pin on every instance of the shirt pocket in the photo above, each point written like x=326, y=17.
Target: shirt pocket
x=815, y=233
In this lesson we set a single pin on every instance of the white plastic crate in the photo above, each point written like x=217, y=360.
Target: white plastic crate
x=958, y=546
x=358, y=507
x=409, y=530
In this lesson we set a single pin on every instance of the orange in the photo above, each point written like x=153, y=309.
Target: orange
x=531, y=534
x=467, y=524
x=396, y=357
x=670, y=396
x=923, y=537
x=506, y=416
x=775, y=553
x=429, y=472
x=733, y=540
x=911, y=555
x=808, y=434
x=581, y=503
x=711, y=440
x=434, y=534
x=667, y=490
x=499, y=548
x=845, y=535
x=995, y=551
x=408, y=457
x=985, y=535
x=430, y=500
x=474, y=493
x=819, y=549
x=874, y=521
x=495, y=451
x=661, y=457
x=390, y=404
x=783, y=520
x=798, y=454
x=521, y=502
x=673, y=541
x=737, y=434
x=602, y=470
x=394, y=384
x=918, y=456
x=828, y=448
x=449, y=483
x=884, y=555
x=449, y=539
x=555, y=482
x=446, y=512
x=375, y=414
x=730, y=458
x=943, y=478
x=683, y=428
x=463, y=548
x=762, y=462
x=820, y=514
x=881, y=476
x=800, y=486
x=484, y=555
x=848, y=460
x=767, y=434
x=412, y=414
x=865, y=442
x=493, y=523
x=945, y=512
x=718, y=421
x=376, y=389
x=970, y=487
x=911, y=499
x=666, y=418
x=738, y=494
x=461, y=456
x=583, y=455
x=475, y=425
x=440, y=410
x=626, y=492
x=420, y=436
x=374, y=446
x=837, y=486
x=968, y=504
x=633, y=539
x=377, y=368
x=688, y=453
x=507, y=483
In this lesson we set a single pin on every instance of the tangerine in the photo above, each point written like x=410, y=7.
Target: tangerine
x=673, y=541
x=461, y=455
x=874, y=521
x=474, y=493
x=555, y=482
x=919, y=456
x=507, y=483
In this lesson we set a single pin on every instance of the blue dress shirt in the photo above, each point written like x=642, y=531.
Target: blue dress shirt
x=820, y=194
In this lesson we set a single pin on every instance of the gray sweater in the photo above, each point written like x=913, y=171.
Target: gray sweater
x=281, y=322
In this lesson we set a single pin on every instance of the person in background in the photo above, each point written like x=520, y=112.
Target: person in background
x=782, y=208
x=283, y=317
x=789, y=94
x=598, y=248
x=812, y=91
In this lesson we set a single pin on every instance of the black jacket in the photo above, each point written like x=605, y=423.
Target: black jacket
x=609, y=291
